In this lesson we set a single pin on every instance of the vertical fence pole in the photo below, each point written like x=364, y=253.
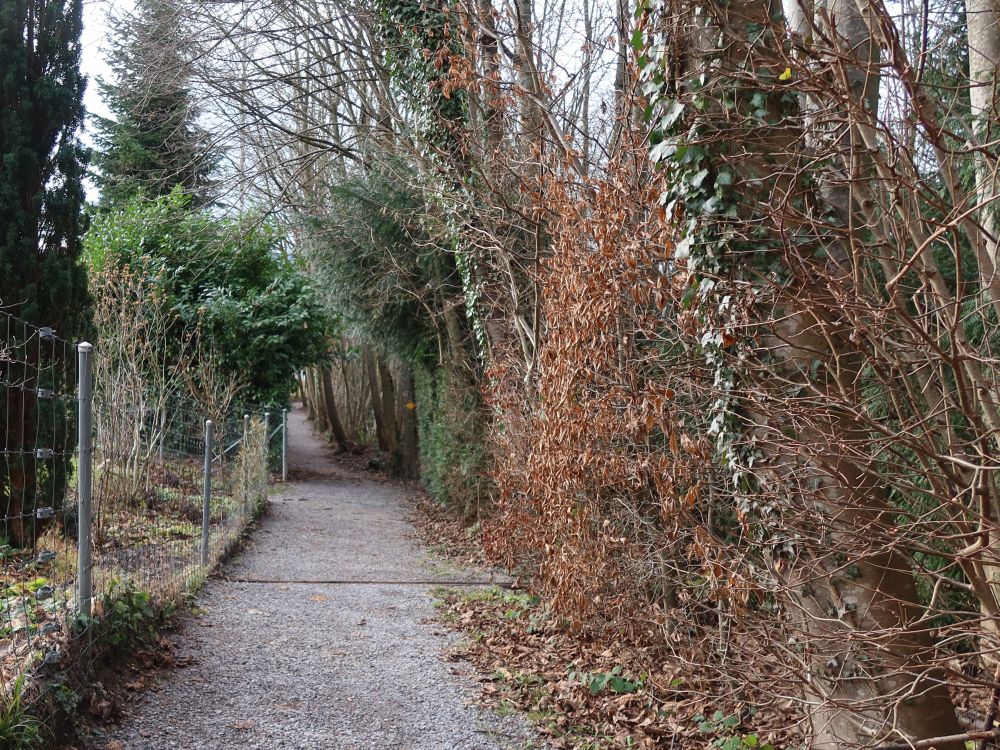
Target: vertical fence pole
x=84, y=478
x=284, y=445
x=267, y=442
x=245, y=461
x=206, y=511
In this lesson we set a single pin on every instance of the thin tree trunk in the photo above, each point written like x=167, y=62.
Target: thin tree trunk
x=491, y=72
x=308, y=397
x=622, y=28
x=388, y=391
x=532, y=119
x=409, y=449
x=371, y=373
x=332, y=415
x=320, y=399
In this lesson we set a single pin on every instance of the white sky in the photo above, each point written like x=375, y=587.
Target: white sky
x=93, y=64
x=95, y=31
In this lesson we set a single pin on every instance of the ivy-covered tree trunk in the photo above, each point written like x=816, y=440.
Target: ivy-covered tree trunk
x=760, y=199
x=41, y=195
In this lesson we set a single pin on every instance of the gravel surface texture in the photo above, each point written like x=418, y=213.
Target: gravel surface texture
x=320, y=635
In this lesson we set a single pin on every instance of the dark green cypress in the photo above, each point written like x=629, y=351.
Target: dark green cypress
x=41, y=223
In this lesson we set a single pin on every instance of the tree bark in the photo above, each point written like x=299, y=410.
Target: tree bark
x=371, y=373
x=320, y=399
x=532, y=119
x=983, y=19
x=332, y=415
x=308, y=397
x=867, y=654
x=409, y=449
x=389, y=398
x=489, y=51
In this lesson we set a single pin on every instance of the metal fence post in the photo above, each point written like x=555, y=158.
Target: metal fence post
x=245, y=461
x=84, y=478
x=284, y=445
x=267, y=442
x=206, y=511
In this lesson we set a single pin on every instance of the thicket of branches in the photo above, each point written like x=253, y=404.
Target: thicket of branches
x=708, y=318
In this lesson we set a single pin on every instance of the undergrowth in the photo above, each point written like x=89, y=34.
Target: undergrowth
x=453, y=456
x=18, y=729
x=126, y=621
x=587, y=693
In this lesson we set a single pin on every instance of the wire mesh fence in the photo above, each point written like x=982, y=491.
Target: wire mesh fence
x=111, y=495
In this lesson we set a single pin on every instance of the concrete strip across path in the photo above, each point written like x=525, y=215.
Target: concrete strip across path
x=321, y=637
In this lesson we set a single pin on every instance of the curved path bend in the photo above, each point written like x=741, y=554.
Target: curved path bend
x=319, y=635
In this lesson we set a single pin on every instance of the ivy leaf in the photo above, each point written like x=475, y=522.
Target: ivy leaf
x=674, y=110
x=662, y=150
x=637, y=41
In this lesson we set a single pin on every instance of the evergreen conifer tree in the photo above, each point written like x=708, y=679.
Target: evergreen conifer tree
x=153, y=142
x=41, y=223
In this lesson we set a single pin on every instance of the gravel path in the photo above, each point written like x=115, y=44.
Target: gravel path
x=321, y=638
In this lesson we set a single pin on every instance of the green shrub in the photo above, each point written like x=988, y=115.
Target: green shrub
x=229, y=281
x=129, y=615
x=452, y=448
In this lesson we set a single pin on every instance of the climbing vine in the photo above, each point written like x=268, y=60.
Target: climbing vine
x=700, y=200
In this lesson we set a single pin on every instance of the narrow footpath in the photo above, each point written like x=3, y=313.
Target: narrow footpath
x=319, y=635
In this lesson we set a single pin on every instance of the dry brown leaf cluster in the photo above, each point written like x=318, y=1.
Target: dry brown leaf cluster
x=534, y=661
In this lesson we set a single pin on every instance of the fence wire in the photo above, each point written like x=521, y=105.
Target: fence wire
x=148, y=506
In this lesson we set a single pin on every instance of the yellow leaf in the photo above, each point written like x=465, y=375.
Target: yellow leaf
x=785, y=75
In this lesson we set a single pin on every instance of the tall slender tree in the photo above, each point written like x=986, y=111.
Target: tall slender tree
x=41, y=195
x=153, y=142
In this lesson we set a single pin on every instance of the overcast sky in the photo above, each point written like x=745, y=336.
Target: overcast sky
x=93, y=65
x=95, y=31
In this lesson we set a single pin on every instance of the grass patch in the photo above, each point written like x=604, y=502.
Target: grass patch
x=18, y=729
